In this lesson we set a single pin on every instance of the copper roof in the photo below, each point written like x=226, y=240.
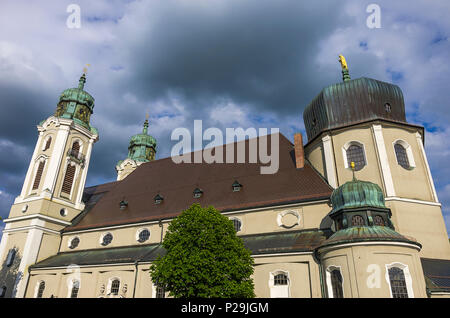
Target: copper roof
x=176, y=183
x=353, y=101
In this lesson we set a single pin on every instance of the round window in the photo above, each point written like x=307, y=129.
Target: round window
x=74, y=243
x=144, y=235
x=107, y=239
x=63, y=212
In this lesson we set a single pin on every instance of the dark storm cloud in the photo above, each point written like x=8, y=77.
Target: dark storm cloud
x=249, y=63
x=258, y=53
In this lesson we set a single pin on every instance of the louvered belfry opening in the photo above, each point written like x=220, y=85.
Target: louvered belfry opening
x=68, y=179
x=75, y=149
x=37, y=179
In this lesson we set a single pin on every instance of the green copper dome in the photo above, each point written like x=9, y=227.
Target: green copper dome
x=142, y=146
x=355, y=194
x=76, y=104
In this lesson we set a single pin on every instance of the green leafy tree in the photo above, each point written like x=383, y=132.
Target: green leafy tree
x=204, y=257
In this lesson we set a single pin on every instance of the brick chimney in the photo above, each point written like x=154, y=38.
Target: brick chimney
x=299, y=152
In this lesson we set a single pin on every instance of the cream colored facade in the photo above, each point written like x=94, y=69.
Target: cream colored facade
x=410, y=194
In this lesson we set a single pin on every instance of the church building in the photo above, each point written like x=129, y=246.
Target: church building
x=351, y=213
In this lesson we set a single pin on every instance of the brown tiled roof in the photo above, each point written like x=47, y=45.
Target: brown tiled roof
x=176, y=183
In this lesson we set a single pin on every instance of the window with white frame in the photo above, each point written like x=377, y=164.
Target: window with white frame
x=404, y=155
x=47, y=143
x=334, y=282
x=39, y=171
x=75, y=289
x=353, y=151
x=399, y=280
x=114, y=286
x=237, y=223
x=10, y=258
x=40, y=289
x=143, y=235
x=279, y=284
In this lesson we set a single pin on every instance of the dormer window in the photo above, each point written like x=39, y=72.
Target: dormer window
x=158, y=199
x=198, y=193
x=123, y=204
x=388, y=107
x=236, y=186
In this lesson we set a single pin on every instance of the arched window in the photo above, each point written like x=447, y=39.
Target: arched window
x=37, y=178
x=279, y=284
x=10, y=257
x=68, y=179
x=336, y=283
x=378, y=220
x=115, y=285
x=48, y=143
x=402, y=156
x=397, y=282
x=358, y=220
x=40, y=291
x=75, y=149
x=355, y=153
x=75, y=289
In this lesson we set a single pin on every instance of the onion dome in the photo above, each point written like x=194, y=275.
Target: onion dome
x=353, y=101
x=75, y=103
x=142, y=146
x=356, y=194
x=359, y=214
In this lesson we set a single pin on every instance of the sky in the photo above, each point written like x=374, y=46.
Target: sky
x=230, y=63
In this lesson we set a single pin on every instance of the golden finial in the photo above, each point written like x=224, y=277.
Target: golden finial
x=345, y=73
x=352, y=165
x=85, y=69
x=343, y=62
x=146, y=115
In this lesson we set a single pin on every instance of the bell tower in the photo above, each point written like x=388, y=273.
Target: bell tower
x=52, y=192
x=363, y=121
x=142, y=149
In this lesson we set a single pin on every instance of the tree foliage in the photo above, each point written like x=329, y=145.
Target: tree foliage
x=204, y=257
